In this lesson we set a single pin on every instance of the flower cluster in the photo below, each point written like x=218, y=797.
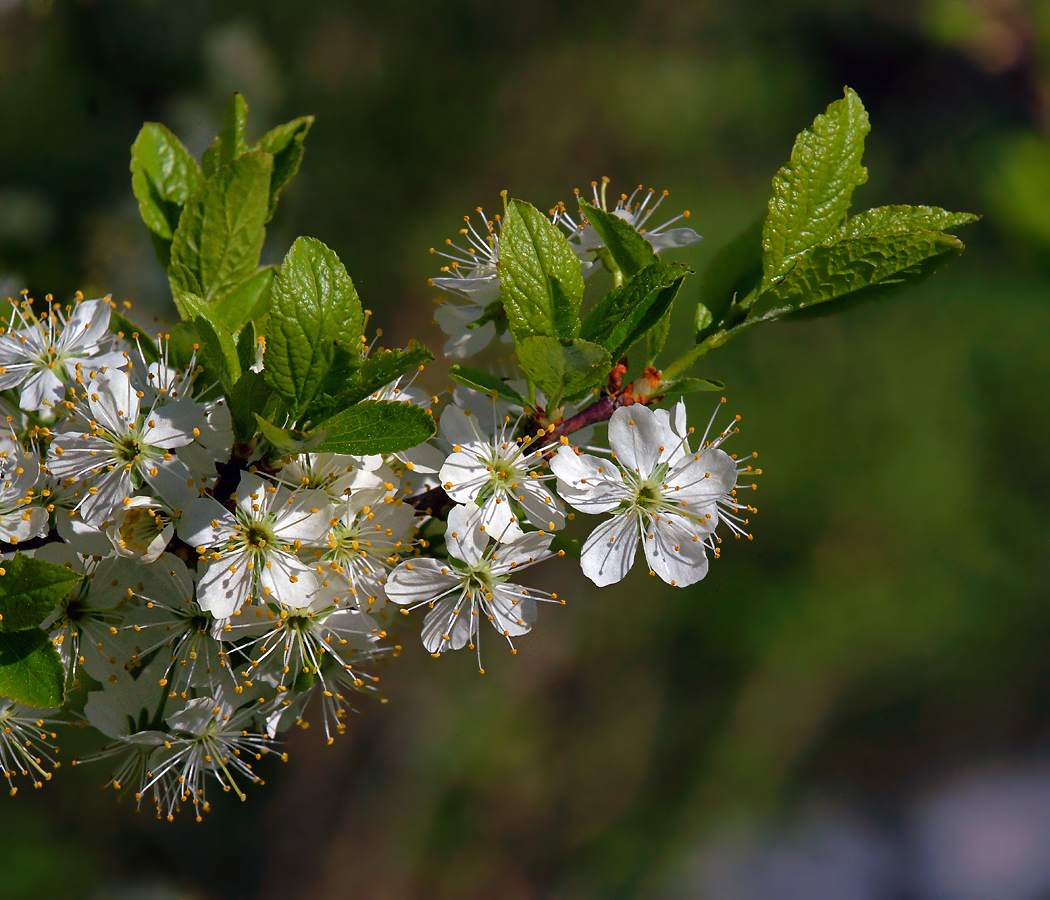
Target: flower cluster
x=222, y=584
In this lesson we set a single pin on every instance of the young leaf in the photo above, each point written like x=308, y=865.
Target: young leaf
x=689, y=385
x=218, y=353
x=540, y=280
x=350, y=380
x=249, y=397
x=31, y=671
x=734, y=271
x=230, y=143
x=313, y=309
x=486, y=383
x=903, y=220
x=657, y=337
x=629, y=311
x=812, y=193
x=220, y=234
x=375, y=426
x=856, y=264
x=133, y=334
x=629, y=250
x=285, y=142
x=245, y=301
x=30, y=589
x=288, y=440
x=163, y=177
x=563, y=370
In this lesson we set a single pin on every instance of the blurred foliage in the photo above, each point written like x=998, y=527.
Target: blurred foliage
x=890, y=619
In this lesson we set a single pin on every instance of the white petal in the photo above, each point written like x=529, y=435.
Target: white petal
x=638, y=438
x=673, y=238
x=86, y=327
x=587, y=483
x=172, y=480
x=528, y=549
x=449, y=625
x=114, y=402
x=222, y=592
x=458, y=426
x=307, y=519
x=463, y=476
x=289, y=579
x=420, y=580
x=608, y=553
x=675, y=551
x=110, y=490
x=541, y=508
x=173, y=425
x=512, y=611
x=196, y=528
x=463, y=537
x=41, y=391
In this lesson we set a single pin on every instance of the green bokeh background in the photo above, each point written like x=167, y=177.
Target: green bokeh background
x=889, y=622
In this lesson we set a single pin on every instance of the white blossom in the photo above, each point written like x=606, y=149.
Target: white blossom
x=498, y=473
x=20, y=517
x=472, y=583
x=42, y=355
x=659, y=491
x=253, y=553
x=119, y=445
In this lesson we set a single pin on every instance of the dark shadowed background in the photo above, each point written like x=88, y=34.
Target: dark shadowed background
x=854, y=705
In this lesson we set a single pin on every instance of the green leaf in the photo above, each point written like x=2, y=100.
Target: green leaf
x=30, y=589
x=220, y=234
x=249, y=397
x=689, y=385
x=657, y=337
x=854, y=265
x=314, y=309
x=132, y=333
x=189, y=304
x=230, y=143
x=163, y=177
x=245, y=301
x=486, y=383
x=812, y=193
x=247, y=346
x=563, y=370
x=286, y=143
x=288, y=440
x=540, y=280
x=903, y=220
x=31, y=671
x=375, y=426
x=629, y=250
x=352, y=380
x=629, y=311
x=734, y=271
x=218, y=353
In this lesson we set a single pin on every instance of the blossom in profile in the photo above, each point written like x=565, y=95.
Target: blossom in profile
x=42, y=354
x=26, y=746
x=498, y=473
x=471, y=585
x=659, y=491
x=636, y=210
x=253, y=553
x=469, y=274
